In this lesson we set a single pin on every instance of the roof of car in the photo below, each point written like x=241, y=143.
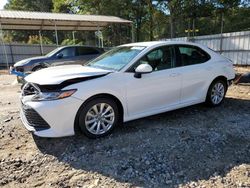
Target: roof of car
x=79, y=46
x=152, y=43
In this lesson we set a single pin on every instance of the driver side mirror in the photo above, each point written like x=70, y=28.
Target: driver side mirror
x=59, y=56
x=142, y=69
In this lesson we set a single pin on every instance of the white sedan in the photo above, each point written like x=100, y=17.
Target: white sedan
x=126, y=83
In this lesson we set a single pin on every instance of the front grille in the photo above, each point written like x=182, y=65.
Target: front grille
x=33, y=118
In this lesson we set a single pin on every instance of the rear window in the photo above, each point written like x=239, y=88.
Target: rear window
x=87, y=51
x=190, y=55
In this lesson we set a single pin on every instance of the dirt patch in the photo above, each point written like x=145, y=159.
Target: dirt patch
x=191, y=147
x=240, y=69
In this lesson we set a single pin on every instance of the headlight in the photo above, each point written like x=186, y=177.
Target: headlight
x=54, y=95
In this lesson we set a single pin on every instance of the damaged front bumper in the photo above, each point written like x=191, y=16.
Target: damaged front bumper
x=50, y=118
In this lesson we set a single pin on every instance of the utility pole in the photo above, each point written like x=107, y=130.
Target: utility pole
x=221, y=31
x=189, y=23
x=193, y=27
x=41, y=41
x=73, y=35
x=4, y=47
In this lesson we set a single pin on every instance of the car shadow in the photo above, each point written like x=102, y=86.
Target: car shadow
x=190, y=144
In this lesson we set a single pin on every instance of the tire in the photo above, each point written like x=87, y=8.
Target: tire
x=95, y=124
x=216, y=93
x=37, y=68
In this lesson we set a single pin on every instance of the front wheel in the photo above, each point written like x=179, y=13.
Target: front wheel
x=98, y=117
x=37, y=68
x=216, y=93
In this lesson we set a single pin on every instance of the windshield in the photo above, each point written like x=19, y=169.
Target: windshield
x=53, y=52
x=116, y=58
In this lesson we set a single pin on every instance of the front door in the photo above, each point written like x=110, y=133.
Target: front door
x=66, y=56
x=157, y=90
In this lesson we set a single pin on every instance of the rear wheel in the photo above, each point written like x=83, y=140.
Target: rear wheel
x=216, y=93
x=98, y=117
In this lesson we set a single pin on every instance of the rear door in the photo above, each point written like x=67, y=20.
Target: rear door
x=194, y=65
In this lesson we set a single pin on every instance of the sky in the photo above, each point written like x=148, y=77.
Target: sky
x=2, y=3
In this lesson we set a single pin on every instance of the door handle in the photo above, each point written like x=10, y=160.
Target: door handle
x=174, y=74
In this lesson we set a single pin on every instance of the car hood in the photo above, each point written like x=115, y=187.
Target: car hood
x=60, y=74
x=25, y=61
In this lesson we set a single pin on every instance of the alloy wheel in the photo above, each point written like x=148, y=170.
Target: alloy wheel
x=100, y=118
x=217, y=93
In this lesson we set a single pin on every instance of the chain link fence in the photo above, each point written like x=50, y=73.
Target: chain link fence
x=17, y=52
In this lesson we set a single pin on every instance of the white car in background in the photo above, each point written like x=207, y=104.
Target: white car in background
x=126, y=83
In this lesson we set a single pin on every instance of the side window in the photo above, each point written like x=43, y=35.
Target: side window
x=86, y=51
x=68, y=52
x=191, y=55
x=158, y=59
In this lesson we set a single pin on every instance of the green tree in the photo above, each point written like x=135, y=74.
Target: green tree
x=30, y=5
x=62, y=6
x=153, y=19
x=34, y=39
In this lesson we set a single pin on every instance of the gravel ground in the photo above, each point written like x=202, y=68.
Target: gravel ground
x=191, y=147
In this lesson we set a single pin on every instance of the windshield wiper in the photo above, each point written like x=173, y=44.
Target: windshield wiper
x=100, y=67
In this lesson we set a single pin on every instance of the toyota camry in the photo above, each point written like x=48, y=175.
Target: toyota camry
x=126, y=83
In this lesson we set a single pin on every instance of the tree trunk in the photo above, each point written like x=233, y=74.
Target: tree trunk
x=151, y=36
x=172, y=20
x=138, y=30
x=172, y=26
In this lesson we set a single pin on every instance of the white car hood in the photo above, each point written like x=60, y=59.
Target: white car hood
x=59, y=74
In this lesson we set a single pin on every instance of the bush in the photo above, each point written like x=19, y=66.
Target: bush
x=71, y=42
x=34, y=39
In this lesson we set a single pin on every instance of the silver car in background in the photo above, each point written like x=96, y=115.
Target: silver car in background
x=60, y=56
